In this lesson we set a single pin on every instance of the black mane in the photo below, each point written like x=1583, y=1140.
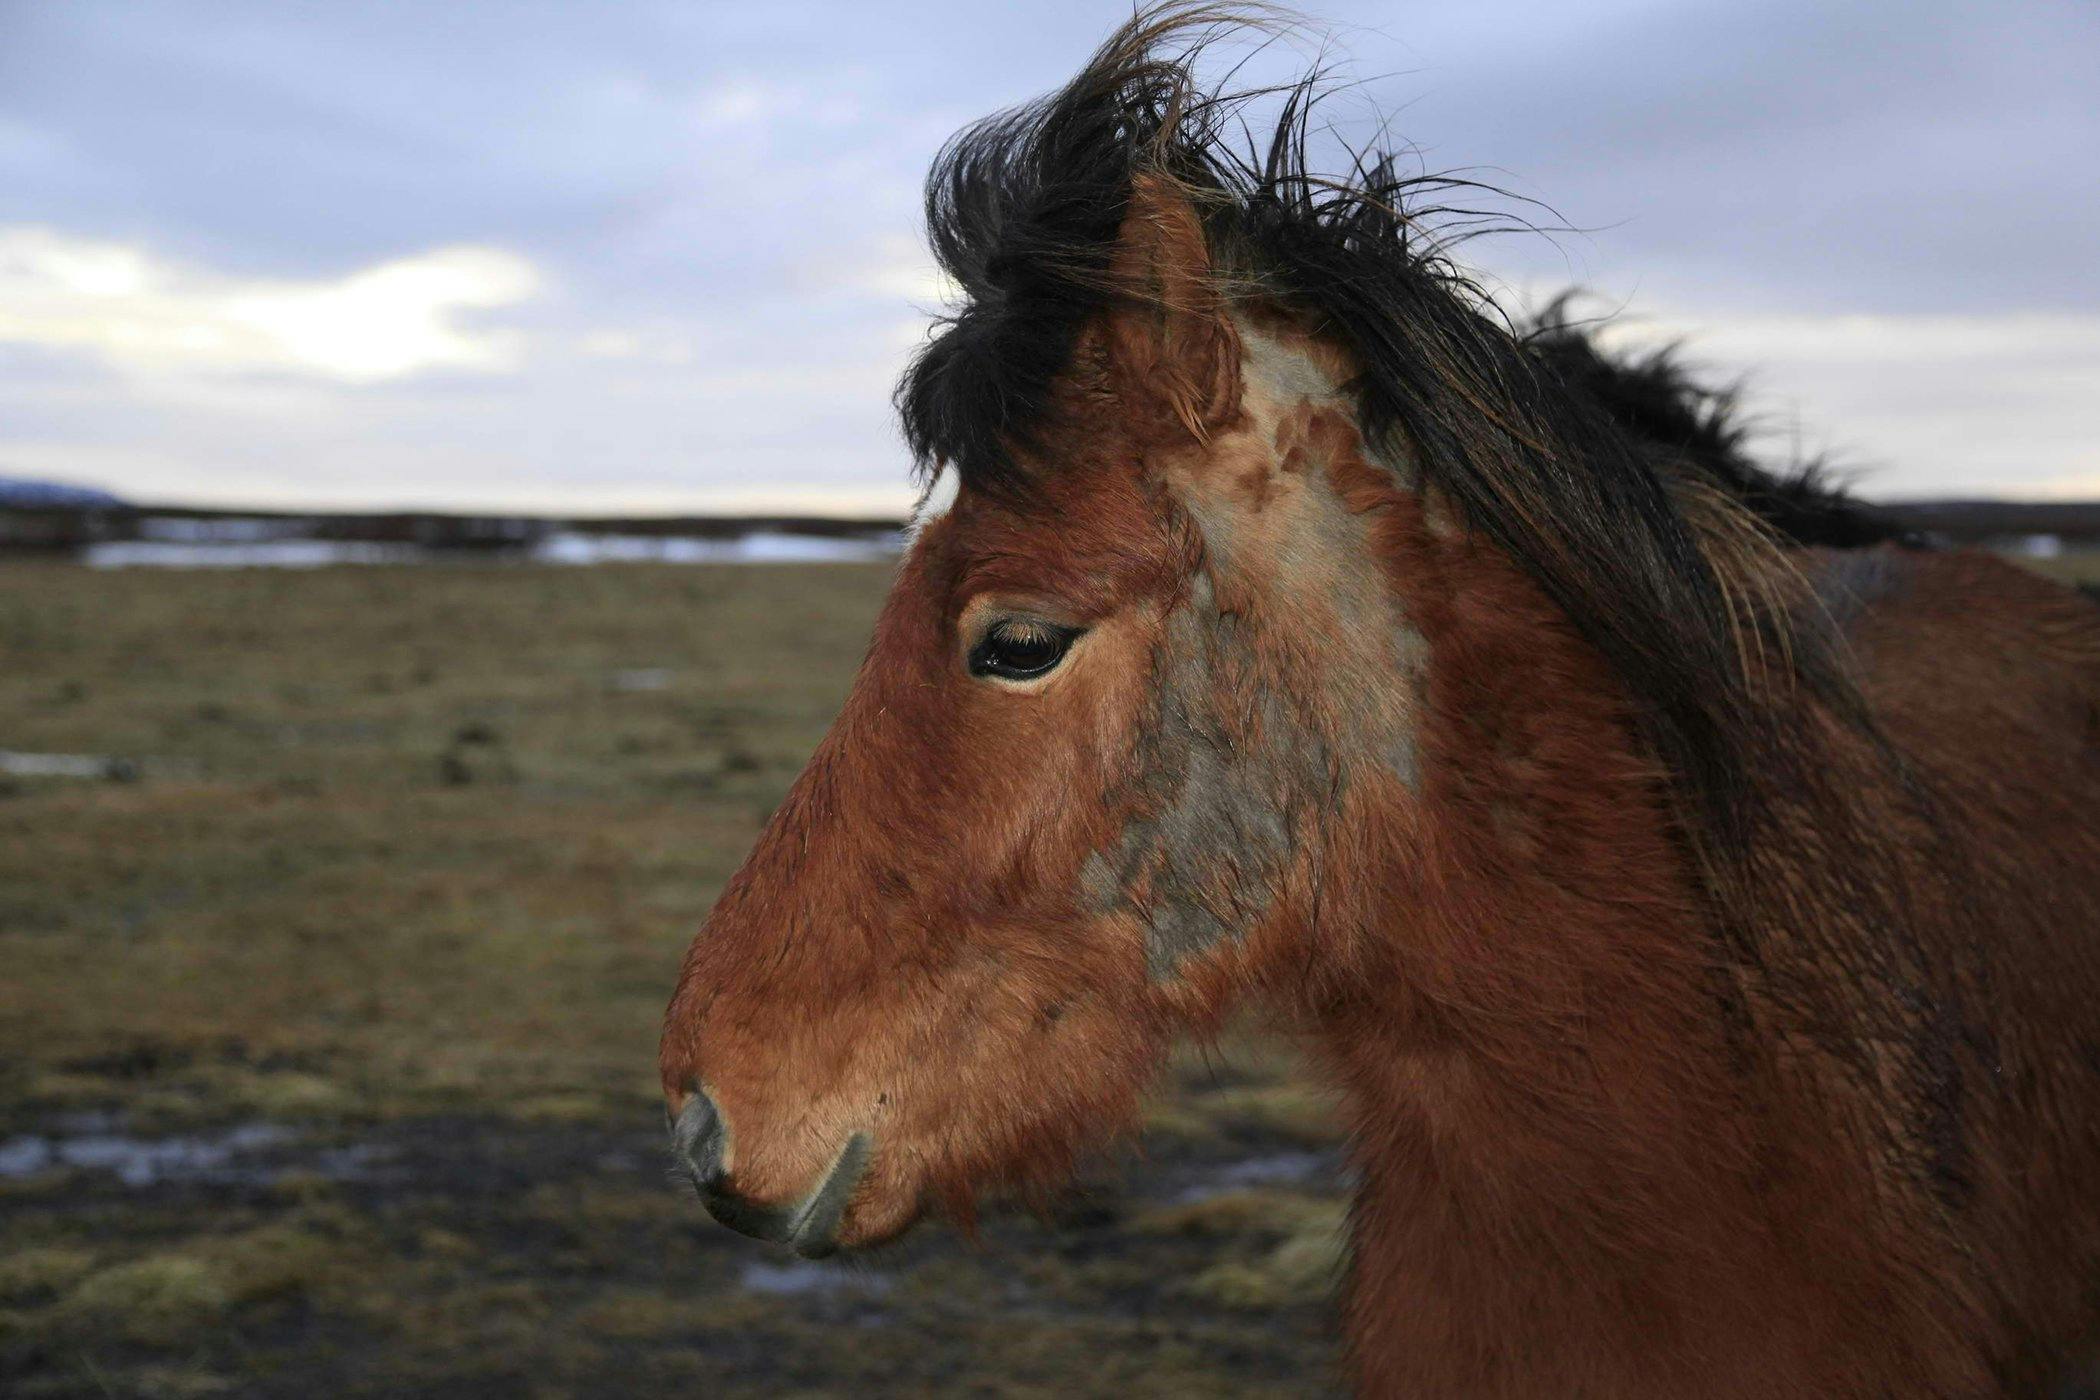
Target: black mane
x=1621, y=486
x=1684, y=423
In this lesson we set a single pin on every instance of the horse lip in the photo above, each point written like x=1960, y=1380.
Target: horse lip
x=814, y=1232
x=811, y=1225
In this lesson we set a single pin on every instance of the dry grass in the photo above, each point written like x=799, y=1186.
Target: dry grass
x=409, y=859
x=2078, y=566
x=389, y=822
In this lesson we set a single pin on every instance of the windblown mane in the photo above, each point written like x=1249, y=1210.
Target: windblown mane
x=1685, y=424
x=1621, y=486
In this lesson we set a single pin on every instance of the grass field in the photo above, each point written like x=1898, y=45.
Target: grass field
x=328, y=1024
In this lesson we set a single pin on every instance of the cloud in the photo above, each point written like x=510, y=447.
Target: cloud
x=1920, y=403
x=2032, y=339
x=460, y=253
x=167, y=383
x=894, y=271
x=137, y=311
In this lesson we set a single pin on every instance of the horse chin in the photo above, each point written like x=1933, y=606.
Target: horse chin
x=869, y=1225
x=857, y=1235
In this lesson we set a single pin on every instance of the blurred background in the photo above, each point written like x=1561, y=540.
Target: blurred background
x=446, y=481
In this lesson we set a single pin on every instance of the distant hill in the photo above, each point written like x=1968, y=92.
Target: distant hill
x=49, y=516
x=21, y=491
x=45, y=517
x=1987, y=522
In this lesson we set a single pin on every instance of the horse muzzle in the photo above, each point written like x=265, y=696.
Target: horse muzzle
x=699, y=1142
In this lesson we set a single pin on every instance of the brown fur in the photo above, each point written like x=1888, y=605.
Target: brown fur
x=1821, y=1121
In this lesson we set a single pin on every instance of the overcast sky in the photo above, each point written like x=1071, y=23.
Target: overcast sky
x=667, y=256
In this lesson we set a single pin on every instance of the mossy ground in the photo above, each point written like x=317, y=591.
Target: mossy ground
x=404, y=864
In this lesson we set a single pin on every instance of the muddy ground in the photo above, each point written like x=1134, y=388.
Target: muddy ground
x=470, y=1256
x=334, y=968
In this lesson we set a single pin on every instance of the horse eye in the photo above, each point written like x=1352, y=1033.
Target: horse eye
x=1018, y=650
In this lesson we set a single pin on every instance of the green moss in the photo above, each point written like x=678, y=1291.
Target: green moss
x=157, y=1300
x=42, y=1274
x=181, y=1383
x=1280, y=1249
x=1302, y=1112
x=277, y=1261
x=436, y=1242
x=639, y=1315
x=1179, y=1122
x=1300, y=1272
x=172, y=1294
x=305, y=1188
x=572, y=1107
x=288, y=1095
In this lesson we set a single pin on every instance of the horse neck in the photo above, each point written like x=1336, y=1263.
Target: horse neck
x=1599, y=1154
x=1533, y=1044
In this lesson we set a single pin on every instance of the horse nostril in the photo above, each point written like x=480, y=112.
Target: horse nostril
x=699, y=1137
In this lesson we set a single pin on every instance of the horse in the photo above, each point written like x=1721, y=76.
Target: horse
x=1690, y=884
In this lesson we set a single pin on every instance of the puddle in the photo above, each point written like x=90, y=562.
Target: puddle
x=641, y=679
x=758, y=547
x=138, y=1161
x=804, y=1280
x=284, y=548
x=242, y=554
x=351, y=1163
x=66, y=765
x=247, y=1153
x=1273, y=1169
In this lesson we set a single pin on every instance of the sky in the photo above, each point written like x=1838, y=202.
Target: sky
x=584, y=258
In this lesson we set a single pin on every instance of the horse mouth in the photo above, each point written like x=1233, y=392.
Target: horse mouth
x=810, y=1225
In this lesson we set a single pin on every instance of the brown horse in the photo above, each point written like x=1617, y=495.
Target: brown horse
x=1702, y=924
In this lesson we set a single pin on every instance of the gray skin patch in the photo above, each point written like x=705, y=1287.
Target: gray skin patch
x=1234, y=772
x=1218, y=794
x=1289, y=375
x=1326, y=558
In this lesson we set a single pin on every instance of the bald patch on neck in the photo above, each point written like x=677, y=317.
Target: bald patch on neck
x=1288, y=673
x=1287, y=550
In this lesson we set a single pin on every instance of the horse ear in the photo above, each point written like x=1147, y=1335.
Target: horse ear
x=1170, y=341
